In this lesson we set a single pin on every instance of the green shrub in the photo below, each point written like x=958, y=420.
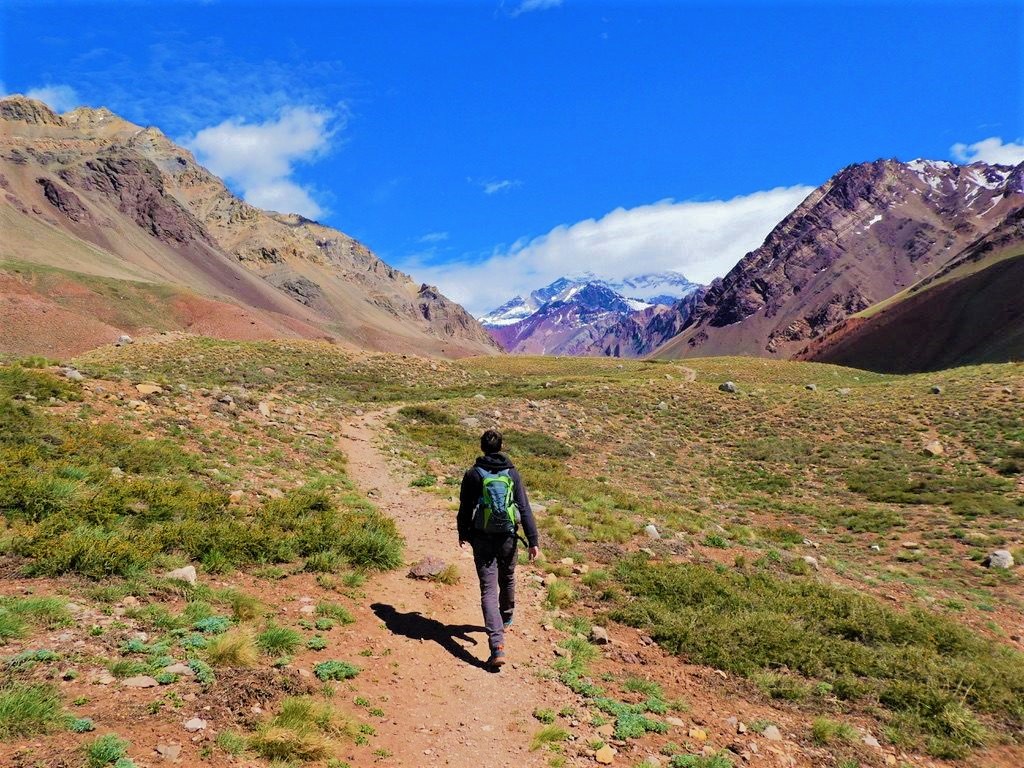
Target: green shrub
x=375, y=547
x=105, y=750
x=276, y=641
x=546, y=716
x=11, y=626
x=825, y=731
x=26, y=710
x=335, y=612
x=549, y=734
x=231, y=742
x=335, y=670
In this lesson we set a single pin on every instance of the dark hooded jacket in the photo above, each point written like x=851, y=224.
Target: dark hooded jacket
x=472, y=489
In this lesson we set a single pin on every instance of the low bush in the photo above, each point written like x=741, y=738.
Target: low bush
x=105, y=750
x=335, y=670
x=235, y=648
x=26, y=710
x=277, y=641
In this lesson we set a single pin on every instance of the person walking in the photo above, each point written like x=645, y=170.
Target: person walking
x=492, y=504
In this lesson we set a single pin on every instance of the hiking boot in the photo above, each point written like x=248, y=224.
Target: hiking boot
x=507, y=622
x=497, y=660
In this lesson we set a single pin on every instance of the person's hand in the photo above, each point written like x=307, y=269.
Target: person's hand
x=534, y=553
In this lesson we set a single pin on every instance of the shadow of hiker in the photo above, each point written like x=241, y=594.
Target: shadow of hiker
x=416, y=626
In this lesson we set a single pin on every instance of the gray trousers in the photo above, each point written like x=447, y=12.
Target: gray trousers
x=495, y=559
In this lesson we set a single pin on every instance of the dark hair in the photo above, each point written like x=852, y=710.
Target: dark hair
x=490, y=441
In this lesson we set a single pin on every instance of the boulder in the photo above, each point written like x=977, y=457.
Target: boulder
x=1001, y=558
x=188, y=573
x=729, y=387
x=427, y=568
x=599, y=636
x=140, y=681
x=149, y=388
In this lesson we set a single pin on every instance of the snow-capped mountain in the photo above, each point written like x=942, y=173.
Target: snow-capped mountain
x=572, y=315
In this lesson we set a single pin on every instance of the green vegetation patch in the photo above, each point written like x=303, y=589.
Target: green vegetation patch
x=923, y=668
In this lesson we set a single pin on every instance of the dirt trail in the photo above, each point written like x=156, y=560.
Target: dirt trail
x=443, y=707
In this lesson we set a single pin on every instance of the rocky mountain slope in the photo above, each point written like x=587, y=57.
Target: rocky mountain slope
x=968, y=312
x=587, y=315
x=872, y=230
x=94, y=207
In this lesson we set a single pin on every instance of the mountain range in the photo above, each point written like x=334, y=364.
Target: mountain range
x=110, y=228
x=575, y=316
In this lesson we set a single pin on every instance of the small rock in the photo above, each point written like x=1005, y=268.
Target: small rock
x=843, y=391
x=1001, y=558
x=427, y=568
x=871, y=741
x=180, y=669
x=662, y=406
x=811, y=387
x=195, y=725
x=677, y=722
x=934, y=448
x=1007, y=390
x=772, y=733
x=274, y=493
x=605, y=755
x=169, y=752
x=479, y=396
x=599, y=636
x=236, y=497
x=139, y=681
x=308, y=609
x=124, y=338
x=875, y=548
x=812, y=561
x=910, y=545
x=116, y=472
x=729, y=387
x=149, y=389
x=652, y=531
x=470, y=422
x=188, y=574
x=226, y=399
x=697, y=734
x=72, y=374
x=567, y=561
x=936, y=390
x=741, y=727
x=549, y=579
x=560, y=651
x=606, y=731
x=265, y=408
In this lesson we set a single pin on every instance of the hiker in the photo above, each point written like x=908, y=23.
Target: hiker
x=492, y=503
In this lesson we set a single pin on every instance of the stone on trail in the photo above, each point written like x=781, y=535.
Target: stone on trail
x=169, y=752
x=729, y=387
x=427, y=568
x=1001, y=558
x=140, y=681
x=188, y=574
x=599, y=636
x=195, y=725
x=652, y=531
x=605, y=755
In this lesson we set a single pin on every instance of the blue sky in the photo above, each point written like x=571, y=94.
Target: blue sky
x=490, y=146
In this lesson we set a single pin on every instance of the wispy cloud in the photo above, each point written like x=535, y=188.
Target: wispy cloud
x=434, y=237
x=991, y=150
x=527, y=6
x=260, y=158
x=59, y=97
x=494, y=186
x=703, y=240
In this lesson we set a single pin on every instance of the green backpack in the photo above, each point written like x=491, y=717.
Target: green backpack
x=497, y=511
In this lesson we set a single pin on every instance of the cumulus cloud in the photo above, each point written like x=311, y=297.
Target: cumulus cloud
x=260, y=158
x=526, y=6
x=59, y=98
x=991, y=150
x=703, y=240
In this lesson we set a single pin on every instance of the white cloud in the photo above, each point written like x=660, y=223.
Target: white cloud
x=703, y=240
x=260, y=157
x=59, y=98
x=526, y=6
x=434, y=237
x=502, y=185
x=991, y=150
